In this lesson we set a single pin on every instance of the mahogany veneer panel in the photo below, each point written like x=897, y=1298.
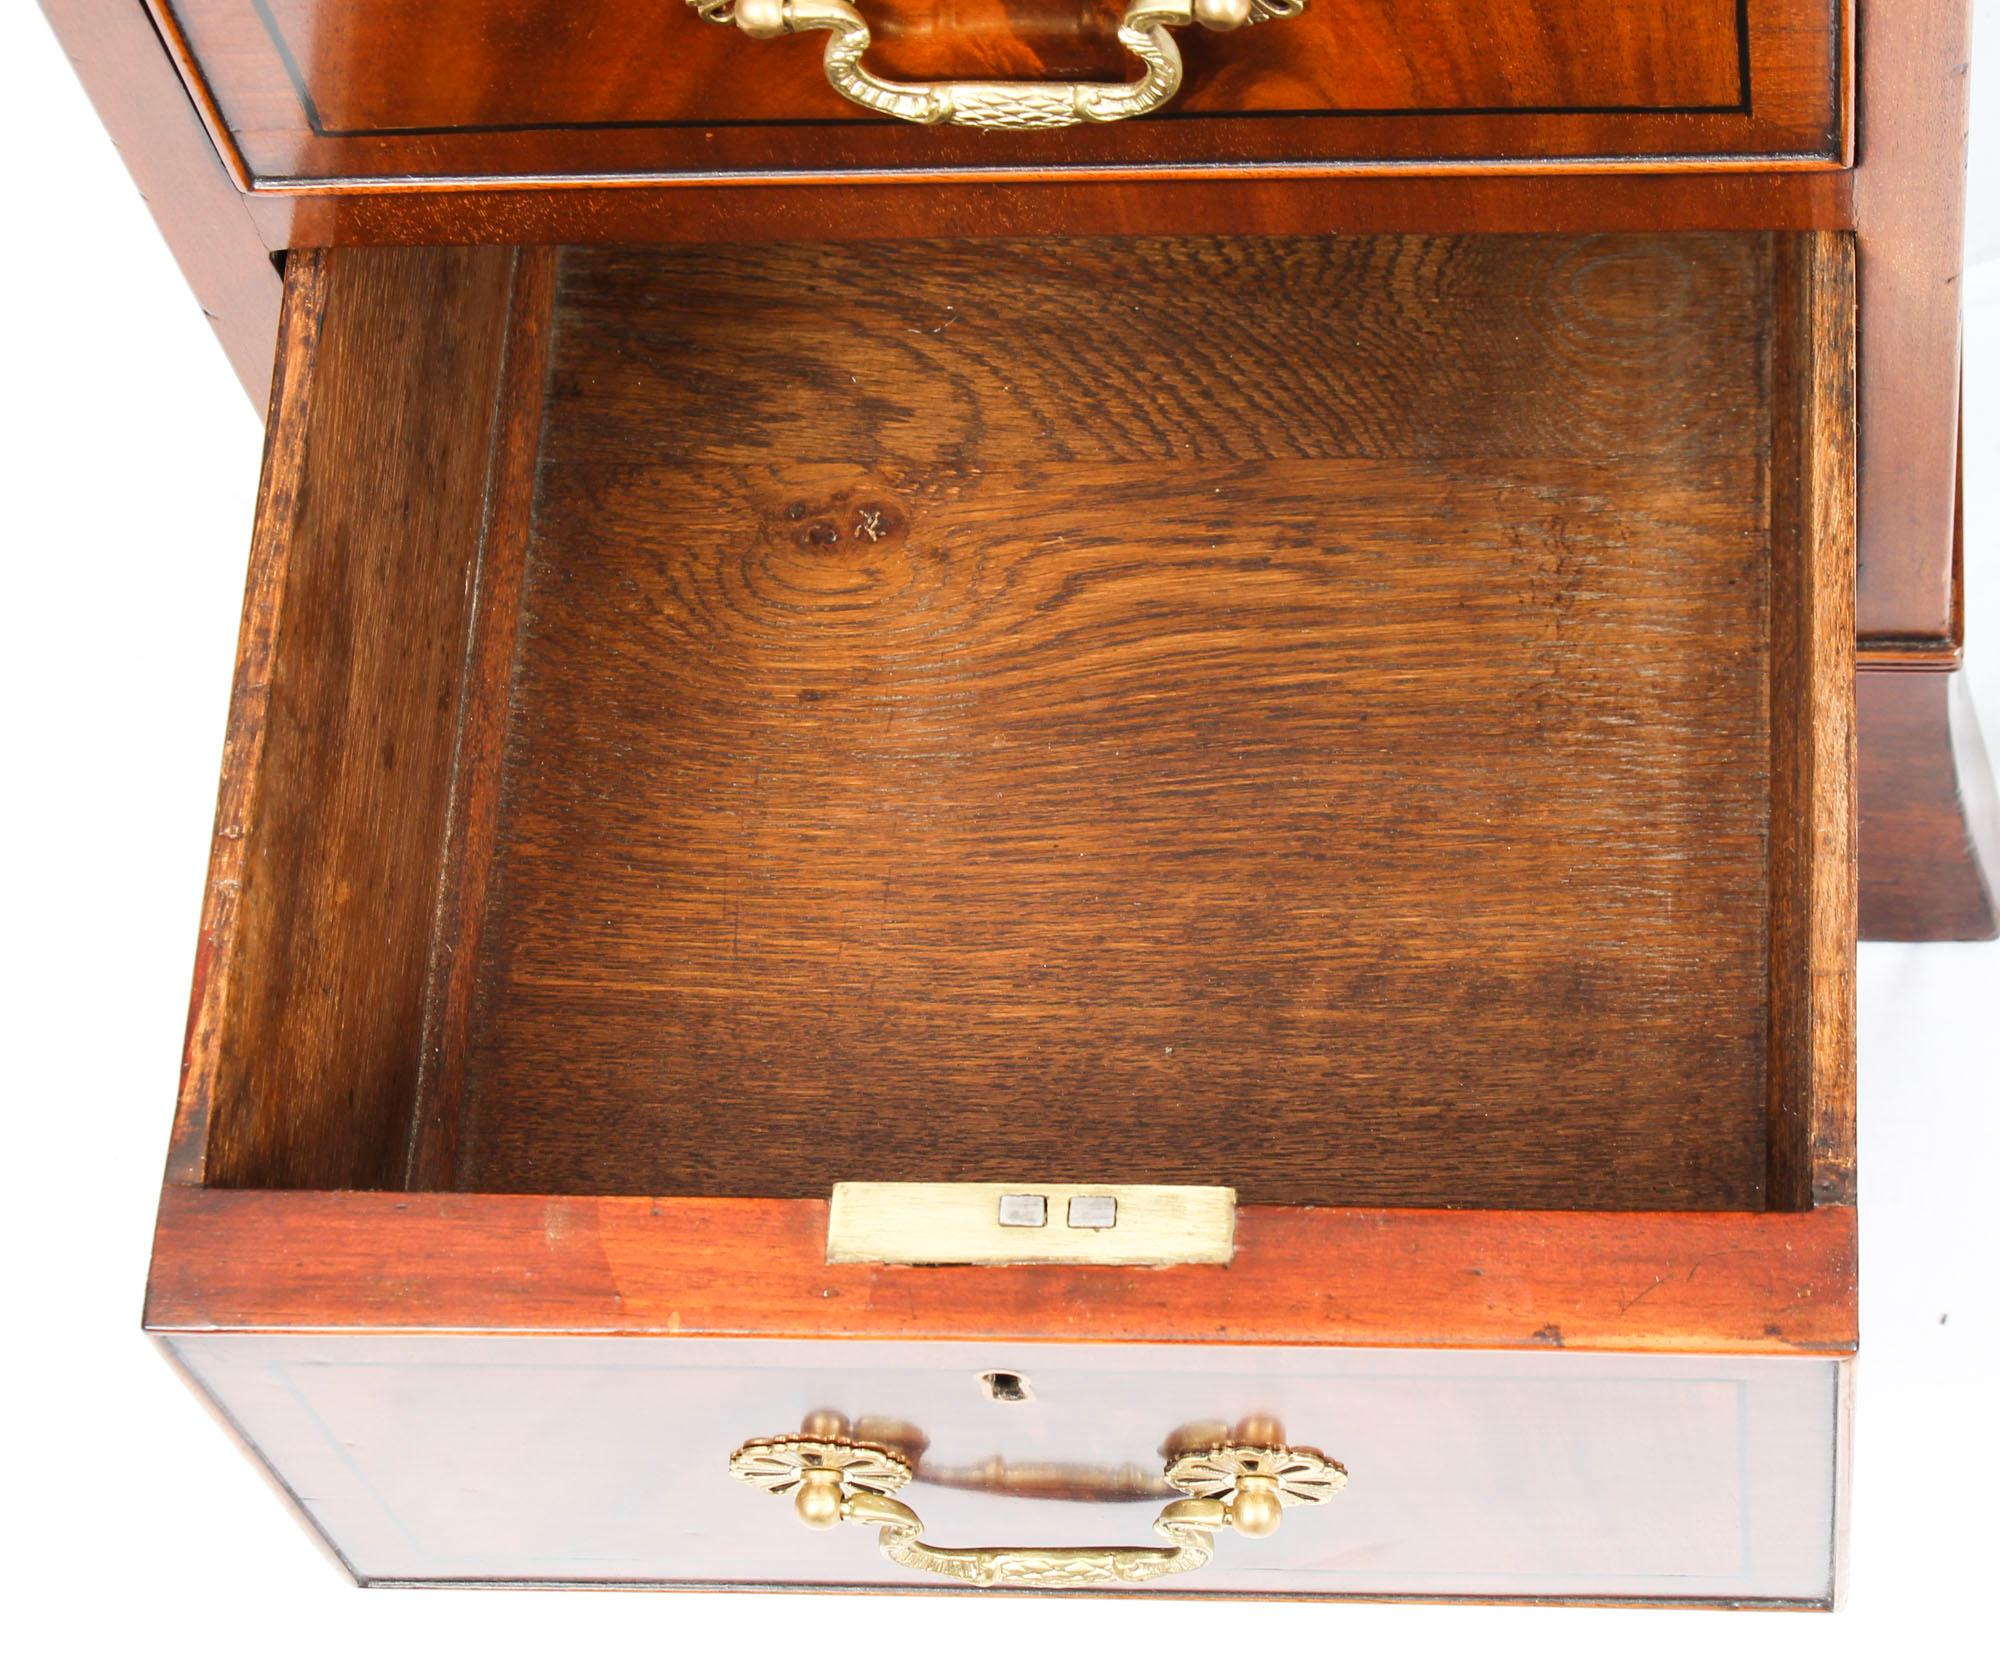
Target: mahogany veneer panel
x=1738, y=1283
x=318, y=94
x=145, y=109
x=964, y=728
x=1491, y=1475
x=1930, y=818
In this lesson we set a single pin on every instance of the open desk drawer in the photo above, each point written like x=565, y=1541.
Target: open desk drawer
x=1364, y=723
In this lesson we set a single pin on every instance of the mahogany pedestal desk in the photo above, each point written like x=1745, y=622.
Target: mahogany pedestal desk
x=1062, y=780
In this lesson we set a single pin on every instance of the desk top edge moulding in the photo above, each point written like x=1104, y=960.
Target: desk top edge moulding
x=1089, y=784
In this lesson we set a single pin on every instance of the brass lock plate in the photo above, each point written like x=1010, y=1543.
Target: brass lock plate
x=934, y=1223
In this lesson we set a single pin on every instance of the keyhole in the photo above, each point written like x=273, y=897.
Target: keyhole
x=1004, y=1386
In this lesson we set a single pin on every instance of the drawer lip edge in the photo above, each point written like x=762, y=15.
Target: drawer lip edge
x=243, y=1260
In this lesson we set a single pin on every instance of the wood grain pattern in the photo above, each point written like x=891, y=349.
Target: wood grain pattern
x=1492, y=1474
x=1302, y=758
x=368, y=529
x=1321, y=703
x=936, y=205
x=481, y=722
x=136, y=90
x=1910, y=94
x=1776, y=1283
x=222, y=949
x=1116, y=789
x=1906, y=193
x=399, y=65
x=1930, y=818
x=1811, y=1074
x=1930, y=833
x=398, y=95
x=1910, y=214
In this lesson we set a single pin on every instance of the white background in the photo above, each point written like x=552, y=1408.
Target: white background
x=131, y=461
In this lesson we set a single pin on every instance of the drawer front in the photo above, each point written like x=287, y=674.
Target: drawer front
x=1490, y=1475
x=320, y=94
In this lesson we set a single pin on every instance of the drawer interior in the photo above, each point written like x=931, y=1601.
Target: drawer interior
x=1324, y=716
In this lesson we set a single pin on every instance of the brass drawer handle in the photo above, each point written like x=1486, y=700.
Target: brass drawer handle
x=1014, y=106
x=833, y=1479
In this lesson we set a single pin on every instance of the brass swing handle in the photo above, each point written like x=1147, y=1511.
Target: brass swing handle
x=1191, y=1525
x=1012, y=106
x=833, y=1480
